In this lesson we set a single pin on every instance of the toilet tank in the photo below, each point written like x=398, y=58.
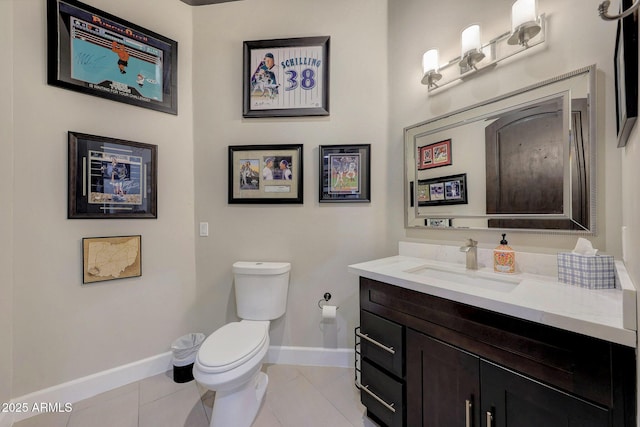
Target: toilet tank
x=261, y=289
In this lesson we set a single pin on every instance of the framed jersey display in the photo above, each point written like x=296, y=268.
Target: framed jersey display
x=286, y=77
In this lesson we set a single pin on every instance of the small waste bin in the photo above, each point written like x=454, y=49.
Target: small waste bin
x=184, y=351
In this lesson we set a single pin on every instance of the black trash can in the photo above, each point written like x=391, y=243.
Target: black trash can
x=184, y=351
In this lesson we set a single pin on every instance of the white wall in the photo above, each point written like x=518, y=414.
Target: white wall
x=576, y=37
x=6, y=206
x=319, y=240
x=62, y=329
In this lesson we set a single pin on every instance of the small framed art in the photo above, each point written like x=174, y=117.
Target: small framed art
x=111, y=178
x=626, y=74
x=110, y=258
x=286, y=77
x=345, y=173
x=265, y=174
x=438, y=222
x=444, y=190
x=96, y=53
x=434, y=155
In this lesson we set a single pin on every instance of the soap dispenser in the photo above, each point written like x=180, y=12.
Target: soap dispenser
x=504, y=258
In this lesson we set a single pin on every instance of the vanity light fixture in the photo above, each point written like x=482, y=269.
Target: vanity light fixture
x=471, y=47
x=430, y=74
x=524, y=25
x=527, y=30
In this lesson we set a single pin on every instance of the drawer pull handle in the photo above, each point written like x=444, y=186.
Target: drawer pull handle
x=489, y=419
x=371, y=340
x=389, y=406
x=467, y=413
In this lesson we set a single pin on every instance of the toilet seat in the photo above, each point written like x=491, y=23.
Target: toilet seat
x=231, y=346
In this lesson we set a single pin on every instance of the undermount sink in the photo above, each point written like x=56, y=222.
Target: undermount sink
x=473, y=278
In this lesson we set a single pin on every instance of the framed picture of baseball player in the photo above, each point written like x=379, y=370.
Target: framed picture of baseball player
x=111, y=178
x=265, y=174
x=96, y=53
x=345, y=173
x=286, y=77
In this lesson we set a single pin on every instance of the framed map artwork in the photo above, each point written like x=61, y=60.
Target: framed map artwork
x=110, y=258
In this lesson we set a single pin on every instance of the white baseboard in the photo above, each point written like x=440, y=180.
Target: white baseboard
x=311, y=356
x=6, y=419
x=89, y=386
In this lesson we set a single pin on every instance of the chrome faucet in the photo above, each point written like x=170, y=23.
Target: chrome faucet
x=471, y=249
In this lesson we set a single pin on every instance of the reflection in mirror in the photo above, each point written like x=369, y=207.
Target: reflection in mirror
x=521, y=161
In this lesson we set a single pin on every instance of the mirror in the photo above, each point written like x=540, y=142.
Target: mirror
x=522, y=161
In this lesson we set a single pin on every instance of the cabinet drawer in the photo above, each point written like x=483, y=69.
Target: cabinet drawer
x=377, y=387
x=388, y=349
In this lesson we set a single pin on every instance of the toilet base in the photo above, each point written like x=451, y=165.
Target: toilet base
x=239, y=407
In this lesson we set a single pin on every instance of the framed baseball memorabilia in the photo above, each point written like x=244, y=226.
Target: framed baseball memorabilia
x=286, y=77
x=111, y=178
x=345, y=173
x=444, y=190
x=265, y=174
x=96, y=53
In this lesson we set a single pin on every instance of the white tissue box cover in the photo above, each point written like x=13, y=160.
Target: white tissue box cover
x=587, y=271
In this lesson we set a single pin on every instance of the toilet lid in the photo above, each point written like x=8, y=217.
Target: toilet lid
x=232, y=345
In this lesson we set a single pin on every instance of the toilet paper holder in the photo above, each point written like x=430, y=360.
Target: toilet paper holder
x=325, y=298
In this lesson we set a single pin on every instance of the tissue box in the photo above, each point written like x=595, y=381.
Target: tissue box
x=587, y=271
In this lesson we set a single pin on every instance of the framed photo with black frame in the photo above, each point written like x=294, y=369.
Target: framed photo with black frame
x=286, y=77
x=345, y=173
x=111, y=178
x=96, y=53
x=626, y=74
x=266, y=174
x=444, y=190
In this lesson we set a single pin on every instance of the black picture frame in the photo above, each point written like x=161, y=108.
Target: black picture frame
x=443, y=190
x=96, y=53
x=111, y=178
x=263, y=174
x=295, y=67
x=345, y=173
x=626, y=74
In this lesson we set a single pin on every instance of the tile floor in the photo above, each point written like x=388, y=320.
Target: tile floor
x=297, y=396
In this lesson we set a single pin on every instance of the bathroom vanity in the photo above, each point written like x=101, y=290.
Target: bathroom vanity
x=441, y=346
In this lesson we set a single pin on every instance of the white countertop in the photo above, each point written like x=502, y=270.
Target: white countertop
x=608, y=314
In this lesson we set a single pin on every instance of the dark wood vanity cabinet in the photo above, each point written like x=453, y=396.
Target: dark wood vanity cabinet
x=382, y=369
x=466, y=366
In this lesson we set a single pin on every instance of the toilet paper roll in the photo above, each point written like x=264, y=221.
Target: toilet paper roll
x=329, y=311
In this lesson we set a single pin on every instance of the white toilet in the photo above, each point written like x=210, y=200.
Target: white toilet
x=230, y=359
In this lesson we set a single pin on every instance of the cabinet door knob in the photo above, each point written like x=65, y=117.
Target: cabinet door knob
x=467, y=413
x=372, y=341
x=489, y=419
